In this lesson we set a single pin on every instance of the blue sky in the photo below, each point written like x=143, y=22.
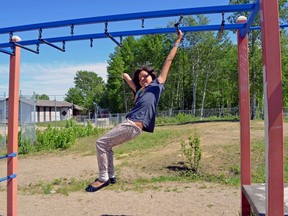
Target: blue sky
x=52, y=72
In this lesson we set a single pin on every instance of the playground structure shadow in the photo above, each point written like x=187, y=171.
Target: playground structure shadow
x=108, y=215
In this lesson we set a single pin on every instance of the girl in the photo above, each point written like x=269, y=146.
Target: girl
x=148, y=88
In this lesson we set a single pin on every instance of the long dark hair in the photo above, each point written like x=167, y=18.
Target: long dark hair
x=149, y=70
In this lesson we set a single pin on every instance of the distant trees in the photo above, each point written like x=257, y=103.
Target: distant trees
x=42, y=97
x=88, y=90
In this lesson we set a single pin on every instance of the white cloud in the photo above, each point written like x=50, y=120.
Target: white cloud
x=51, y=78
x=4, y=69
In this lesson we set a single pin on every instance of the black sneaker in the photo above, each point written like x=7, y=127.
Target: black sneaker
x=113, y=180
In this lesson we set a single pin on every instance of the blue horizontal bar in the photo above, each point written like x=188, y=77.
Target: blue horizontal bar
x=132, y=16
x=8, y=155
x=130, y=33
x=8, y=177
x=283, y=25
x=259, y=27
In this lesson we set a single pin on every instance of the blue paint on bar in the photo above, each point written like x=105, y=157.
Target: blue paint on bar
x=8, y=177
x=259, y=27
x=9, y=155
x=132, y=16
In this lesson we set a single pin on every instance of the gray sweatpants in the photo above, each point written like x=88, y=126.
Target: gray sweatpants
x=125, y=131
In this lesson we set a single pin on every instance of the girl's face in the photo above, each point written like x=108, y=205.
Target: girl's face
x=144, y=78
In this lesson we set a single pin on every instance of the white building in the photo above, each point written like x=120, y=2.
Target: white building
x=41, y=110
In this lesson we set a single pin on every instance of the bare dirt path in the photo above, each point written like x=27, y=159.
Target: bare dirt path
x=193, y=199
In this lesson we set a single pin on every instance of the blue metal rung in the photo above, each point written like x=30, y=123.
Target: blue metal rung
x=9, y=155
x=23, y=47
x=52, y=45
x=8, y=177
x=113, y=39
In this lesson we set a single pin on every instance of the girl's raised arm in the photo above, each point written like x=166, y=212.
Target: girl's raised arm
x=129, y=81
x=166, y=66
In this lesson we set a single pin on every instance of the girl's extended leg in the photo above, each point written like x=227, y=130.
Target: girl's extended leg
x=118, y=135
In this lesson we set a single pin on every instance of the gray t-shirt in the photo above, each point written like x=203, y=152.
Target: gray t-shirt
x=144, y=109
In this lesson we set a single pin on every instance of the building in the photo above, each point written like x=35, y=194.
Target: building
x=31, y=111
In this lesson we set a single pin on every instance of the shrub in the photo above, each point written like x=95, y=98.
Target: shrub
x=57, y=138
x=192, y=151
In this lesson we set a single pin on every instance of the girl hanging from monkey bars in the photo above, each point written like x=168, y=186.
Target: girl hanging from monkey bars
x=148, y=88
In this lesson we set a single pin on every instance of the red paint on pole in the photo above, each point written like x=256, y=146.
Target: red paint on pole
x=244, y=105
x=272, y=73
x=13, y=110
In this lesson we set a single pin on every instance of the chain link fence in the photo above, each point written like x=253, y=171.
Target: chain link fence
x=27, y=119
x=3, y=121
x=110, y=120
x=217, y=112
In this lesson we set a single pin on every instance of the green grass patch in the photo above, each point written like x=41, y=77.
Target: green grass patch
x=146, y=141
x=188, y=118
x=57, y=186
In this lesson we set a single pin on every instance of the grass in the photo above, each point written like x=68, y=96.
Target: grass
x=148, y=141
x=53, y=124
x=142, y=156
x=60, y=186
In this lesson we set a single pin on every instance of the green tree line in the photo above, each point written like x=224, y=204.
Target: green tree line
x=203, y=75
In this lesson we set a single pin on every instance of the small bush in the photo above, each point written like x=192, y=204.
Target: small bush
x=57, y=138
x=192, y=151
x=25, y=147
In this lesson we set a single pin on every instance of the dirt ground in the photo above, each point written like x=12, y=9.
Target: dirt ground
x=187, y=199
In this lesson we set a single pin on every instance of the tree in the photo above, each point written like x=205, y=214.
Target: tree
x=114, y=88
x=74, y=96
x=225, y=82
x=284, y=51
x=88, y=90
x=42, y=97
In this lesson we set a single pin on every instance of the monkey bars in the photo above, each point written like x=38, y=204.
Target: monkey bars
x=253, y=8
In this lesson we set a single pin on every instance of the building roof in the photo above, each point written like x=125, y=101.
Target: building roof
x=50, y=103
x=53, y=103
x=78, y=107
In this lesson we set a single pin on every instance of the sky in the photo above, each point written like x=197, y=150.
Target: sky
x=52, y=72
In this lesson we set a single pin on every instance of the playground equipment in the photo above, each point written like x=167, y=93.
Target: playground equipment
x=273, y=204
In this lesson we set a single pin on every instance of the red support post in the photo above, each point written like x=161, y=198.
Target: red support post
x=13, y=107
x=244, y=105
x=272, y=75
